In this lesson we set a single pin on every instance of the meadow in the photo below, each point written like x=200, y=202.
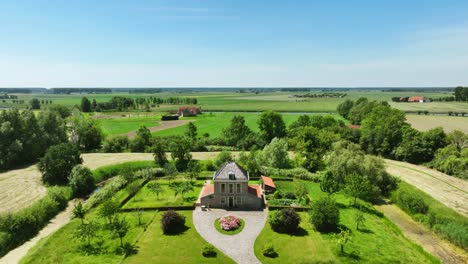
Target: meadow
x=121, y=125
x=377, y=240
x=449, y=123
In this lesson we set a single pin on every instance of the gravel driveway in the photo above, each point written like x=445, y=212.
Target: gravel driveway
x=240, y=247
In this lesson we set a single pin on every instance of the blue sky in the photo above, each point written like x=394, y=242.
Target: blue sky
x=239, y=43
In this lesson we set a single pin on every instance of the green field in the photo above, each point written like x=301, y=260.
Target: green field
x=121, y=125
x=278, y=101
x=378, y=241
x=145, y=198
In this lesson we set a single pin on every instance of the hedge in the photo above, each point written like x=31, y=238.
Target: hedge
x=281, y=207
x=161, y=208
x=106, y=172
x=169, y=117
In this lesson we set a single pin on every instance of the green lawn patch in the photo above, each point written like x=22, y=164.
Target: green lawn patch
x=231, y=232
x=187, y=247
x=122, y=125
x=147, y=199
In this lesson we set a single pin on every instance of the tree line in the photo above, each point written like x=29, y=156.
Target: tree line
x=122, y=103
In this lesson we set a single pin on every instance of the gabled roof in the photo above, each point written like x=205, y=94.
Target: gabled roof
x=268, y=181
x=255, y=190
x=231, y=167
x=208, y=190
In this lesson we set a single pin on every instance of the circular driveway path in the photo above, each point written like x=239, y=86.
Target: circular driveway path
x=240, y=247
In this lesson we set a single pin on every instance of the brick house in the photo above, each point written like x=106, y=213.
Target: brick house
x=231, y=189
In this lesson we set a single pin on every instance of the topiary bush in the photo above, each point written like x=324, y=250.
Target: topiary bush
x=172, y=222
x=324, y=214
x=209, y=251
x=285, y=221
x=269, y=251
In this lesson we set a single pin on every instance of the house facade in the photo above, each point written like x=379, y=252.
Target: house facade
x=231, y=189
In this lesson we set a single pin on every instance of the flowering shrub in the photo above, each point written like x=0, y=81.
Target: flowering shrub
x=229, y=222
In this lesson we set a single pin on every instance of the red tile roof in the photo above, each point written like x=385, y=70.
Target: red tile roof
x=208, y=190
x=255, y=190
x=268, y=181
x=416, y=98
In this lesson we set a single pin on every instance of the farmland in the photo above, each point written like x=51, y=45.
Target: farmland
x=448, y=123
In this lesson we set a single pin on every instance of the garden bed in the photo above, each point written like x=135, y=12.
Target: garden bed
x=218, y=227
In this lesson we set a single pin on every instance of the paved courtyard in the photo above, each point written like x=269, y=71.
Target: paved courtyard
x=240, y=247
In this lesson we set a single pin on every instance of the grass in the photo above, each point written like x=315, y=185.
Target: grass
x=63, y=247
x=145, y=198
x=378, y=241
x=229, y=232
x=448, y=123
x=122, y=125
x=154, y=247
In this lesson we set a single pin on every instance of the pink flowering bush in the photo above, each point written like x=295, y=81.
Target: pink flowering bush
x=229, y=222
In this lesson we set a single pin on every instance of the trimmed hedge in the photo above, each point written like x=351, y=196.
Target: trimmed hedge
x=161, y=208
x=17, y=228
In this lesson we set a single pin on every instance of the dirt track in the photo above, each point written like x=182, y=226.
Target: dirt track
x=446, y=252
x=449, y=190
x=163, y=126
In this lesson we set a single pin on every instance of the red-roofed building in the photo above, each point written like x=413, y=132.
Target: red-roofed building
x=268, y=185
x=418, y=99
x=189, y=111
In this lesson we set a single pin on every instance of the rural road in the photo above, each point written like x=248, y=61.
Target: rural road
x=438, y=247
x=163, y=126
x=449, y=190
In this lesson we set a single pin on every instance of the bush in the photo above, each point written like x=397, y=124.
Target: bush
x=172, y=222
x=115, y=144
x=81, y=181
x=290, y=195
x=209, y=251
x=110, y=189
x=58, y=162
x=269, y=251
x=109, y=171
x=285, y=221
x=410, y=202
x=324, y=214
x=298, y=173
x=150, y=173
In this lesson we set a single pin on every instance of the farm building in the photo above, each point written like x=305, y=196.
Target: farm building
x=189, y=111
x=268, y=185
x=231, y=189
x=418, y=99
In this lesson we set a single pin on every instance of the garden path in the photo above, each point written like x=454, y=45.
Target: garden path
x=240, y=247
x=449, y=190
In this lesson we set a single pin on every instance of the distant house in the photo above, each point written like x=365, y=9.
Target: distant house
x=231, y=189
x=268, y=185
x=418, y=99
x=189, y=111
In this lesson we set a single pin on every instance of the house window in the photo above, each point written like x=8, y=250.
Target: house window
x=238, y=200
x=223, y=200
x=238, y=188
x=231, y=188
x=232, y=176
x=223, y=188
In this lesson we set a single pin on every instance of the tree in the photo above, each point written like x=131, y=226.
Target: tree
x=343, y=238
x=115, y=144
x=159, y=152
x=237, y=131
x=87, y=232
x=180, y=152
x=85, y=105
x=172, y=222
x=271, y=125
x=170, y=171
x=133, y=188
x=58, y=162
x=222, y=158
x=324, y=214
x=458, y=139
x=356, y=186
x=85, y=132
x=329, y=184
x=79, y=212
x=53, y=128
x=119, y=228
x=191, y=131
x=142, y=140
x=285, y=221
x=194, y=169
x=359, y=218
x=81, y=181
x=155, y=188
x=108, y=210
x=275, y=154
x=345, y=107
x=301, y=192
x=35, y=104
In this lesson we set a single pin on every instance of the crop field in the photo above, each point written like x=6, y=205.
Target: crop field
x=448, y=123
x=121, y=125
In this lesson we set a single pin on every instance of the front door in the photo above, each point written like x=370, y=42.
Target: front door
x=231, y=201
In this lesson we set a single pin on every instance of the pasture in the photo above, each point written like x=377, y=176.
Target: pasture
x=448, y=123
x=120, y=125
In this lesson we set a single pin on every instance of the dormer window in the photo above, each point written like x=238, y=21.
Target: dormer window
x=232, y=176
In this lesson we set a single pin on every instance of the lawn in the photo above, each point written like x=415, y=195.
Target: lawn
x=378, y=241
x=154, y=247
x=145, y=198
x=122, y=125
x=62, y=246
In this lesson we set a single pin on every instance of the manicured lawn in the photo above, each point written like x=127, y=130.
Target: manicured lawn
x=146, y=198
x=154, y=247
x=122, y=125
x=378, y=241
x=62, y=246
x=232, y=232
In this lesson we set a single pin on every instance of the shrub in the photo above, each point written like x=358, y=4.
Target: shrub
x=209, y=251
x=278, y=195
x=58, y=162
x=81, y=181
x=229, y=223
x=150, y=173
x=285, y=221
x=324, y=214
x=269, y=251
x=410, y=202
x=115, y=144
x=172, y=222
x=290, y=195
x=105, y=193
